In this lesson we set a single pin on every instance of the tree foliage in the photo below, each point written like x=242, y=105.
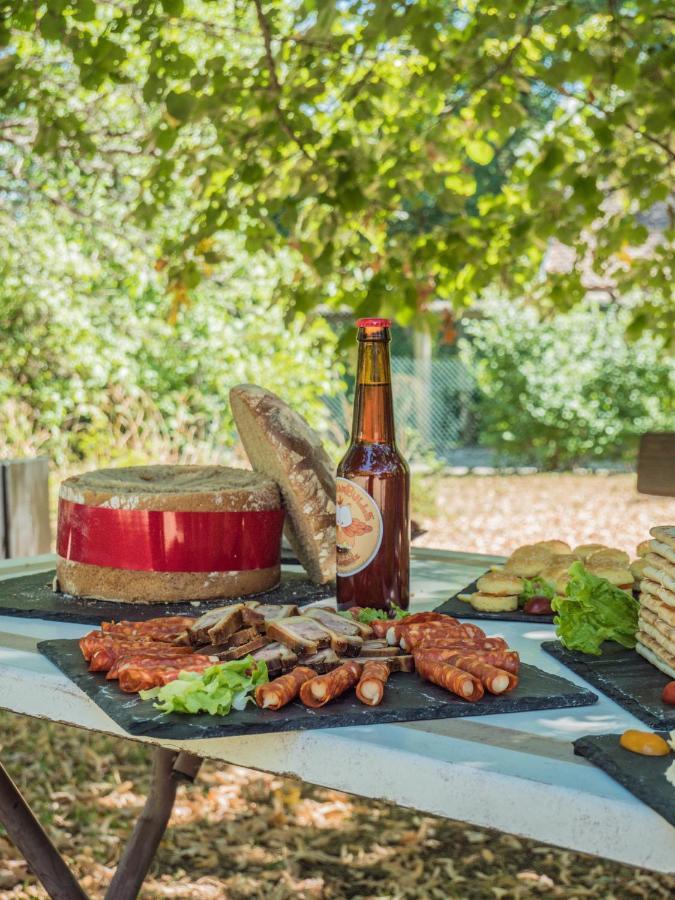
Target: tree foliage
x=395, y=150
x=567, y=389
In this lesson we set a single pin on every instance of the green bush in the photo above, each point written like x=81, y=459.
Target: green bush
x=567, y=389
x=91, y=369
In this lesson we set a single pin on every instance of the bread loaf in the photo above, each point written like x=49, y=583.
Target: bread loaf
x=280, y=444
x=168, y=533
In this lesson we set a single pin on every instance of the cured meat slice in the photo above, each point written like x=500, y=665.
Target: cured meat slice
x=322, y=662
x=324, y=688
x=423, y=632
x=397, y=629
x=457, y=681
x=300, y=634
x=133, y=677
x=164, y=628
x=277, y=657
x=370, y=689
x=102, y=657
x=281, y=691
x=150, y=652
x=336, y=623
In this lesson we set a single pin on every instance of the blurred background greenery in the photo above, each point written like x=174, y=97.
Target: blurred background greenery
x=195, y=194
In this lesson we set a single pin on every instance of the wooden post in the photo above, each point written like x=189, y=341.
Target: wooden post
x=25, y=507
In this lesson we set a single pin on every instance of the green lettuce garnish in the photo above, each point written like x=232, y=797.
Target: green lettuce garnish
x=216, y=690
x=368, y=614
x=593, y=611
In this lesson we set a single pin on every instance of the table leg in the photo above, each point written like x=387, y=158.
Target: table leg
x=32, y=840
x=169, y=768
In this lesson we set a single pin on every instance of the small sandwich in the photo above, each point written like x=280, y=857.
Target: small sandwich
x=558, y=548
x=618, y=575
x=528, y=561
x=500, y=584
x=583, y=551
x=494, y=602
x=607, y=557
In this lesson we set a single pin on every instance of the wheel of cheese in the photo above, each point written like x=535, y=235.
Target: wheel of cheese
x=280, y=444
x=149, y=534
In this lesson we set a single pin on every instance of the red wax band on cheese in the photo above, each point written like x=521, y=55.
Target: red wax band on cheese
x=168, y=541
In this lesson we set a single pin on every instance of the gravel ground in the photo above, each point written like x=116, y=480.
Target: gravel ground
x=242, y=835
x=495, y=514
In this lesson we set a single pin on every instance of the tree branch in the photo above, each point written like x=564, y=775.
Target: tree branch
x=275, y=84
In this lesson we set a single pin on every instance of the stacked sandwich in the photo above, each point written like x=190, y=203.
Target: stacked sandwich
x=656, y=629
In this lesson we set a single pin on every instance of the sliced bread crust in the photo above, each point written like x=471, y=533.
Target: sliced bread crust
x=280, y=444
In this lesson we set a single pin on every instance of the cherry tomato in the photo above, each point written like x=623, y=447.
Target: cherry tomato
x=668, y=695
x=644, y=742
x=538, y=606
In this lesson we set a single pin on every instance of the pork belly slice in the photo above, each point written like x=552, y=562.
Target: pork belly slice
x=243, y=636
x=301, y=634
x=278, y=657
x=335, y=622
x=266, y=612
x=322, y=662
x=223, y=622
x=378, y=649
x=403, y=663
x=240, y=650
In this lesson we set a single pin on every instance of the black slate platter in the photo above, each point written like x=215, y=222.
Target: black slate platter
x=643, y=776
x=407, y=699
x=462, y=610
x=624, y=676
x=31, y=596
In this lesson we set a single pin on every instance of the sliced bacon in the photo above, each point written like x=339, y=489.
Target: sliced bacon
x=282, y=690
x=321, y=690
x=457, y=681
x=370, y=689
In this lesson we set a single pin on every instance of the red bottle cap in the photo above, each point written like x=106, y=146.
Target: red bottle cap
x=373, y=323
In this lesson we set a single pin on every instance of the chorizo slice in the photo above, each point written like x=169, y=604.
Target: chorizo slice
x=370, y=689
x=323, y=688
x=457, y=681
x=282, y=690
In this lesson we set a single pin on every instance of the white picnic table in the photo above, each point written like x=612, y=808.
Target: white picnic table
x=516, y=773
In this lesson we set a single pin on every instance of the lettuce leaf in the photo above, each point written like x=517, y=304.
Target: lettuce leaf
x=368, y=614
x=593, y=611
x=535, y=587
x=216, y=690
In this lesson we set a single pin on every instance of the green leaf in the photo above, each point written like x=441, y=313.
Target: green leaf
x=179, y=106
x=480, y=152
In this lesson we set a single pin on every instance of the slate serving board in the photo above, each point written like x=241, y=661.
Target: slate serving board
x=407, y=699
x=624, y=676
x=643, y=776
x=31, y=596
x=462, y=610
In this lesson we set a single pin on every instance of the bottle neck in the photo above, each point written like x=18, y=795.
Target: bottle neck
x=373, y=403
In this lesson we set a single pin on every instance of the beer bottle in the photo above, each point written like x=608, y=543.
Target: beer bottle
x=373, y=487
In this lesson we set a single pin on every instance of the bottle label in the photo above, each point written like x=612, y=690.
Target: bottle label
x=358, y=526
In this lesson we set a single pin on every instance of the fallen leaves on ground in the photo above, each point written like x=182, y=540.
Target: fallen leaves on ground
x=494, y=514
x=237, y=834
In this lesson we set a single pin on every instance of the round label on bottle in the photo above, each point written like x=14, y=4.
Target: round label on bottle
x=358, y=528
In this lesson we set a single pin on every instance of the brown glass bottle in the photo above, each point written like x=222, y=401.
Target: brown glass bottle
x=373, y=488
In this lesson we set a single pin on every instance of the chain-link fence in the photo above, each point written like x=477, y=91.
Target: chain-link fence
x=435, y=407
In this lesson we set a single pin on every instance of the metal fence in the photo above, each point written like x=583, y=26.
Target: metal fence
x=435, y=406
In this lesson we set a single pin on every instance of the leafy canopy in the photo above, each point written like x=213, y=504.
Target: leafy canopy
x=398, y=149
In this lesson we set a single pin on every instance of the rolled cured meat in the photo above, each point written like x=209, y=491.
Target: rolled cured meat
x=494, y=680
x=282, y=690
x=324, y=688
x=381, y=627
x=457, y=681
x=370, y=689
x=502, y=659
